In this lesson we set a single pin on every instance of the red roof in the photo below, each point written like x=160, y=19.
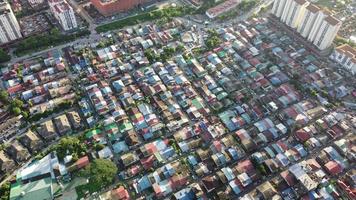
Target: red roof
x=14, y=89
x=120, y=194
x=302, y=135
x=333, y=167
x=148, y=162
x=288, y=177
x=82, y=162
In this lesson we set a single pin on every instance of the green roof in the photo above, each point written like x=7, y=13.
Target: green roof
x=110, y=127
x=37, y=190
x=91, y=133
x=125, y=127
x=197, y=103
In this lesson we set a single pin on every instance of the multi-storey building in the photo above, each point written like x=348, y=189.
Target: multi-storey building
x=345, y=55
x=314, y=24
x=308, y=20
x=278, y=7
x=321, y=15
x=296, y=12
x=285, y=10
x=35, y=2
x=64, y=13
x=111, y=7
x=9, y=27
x=328, y=30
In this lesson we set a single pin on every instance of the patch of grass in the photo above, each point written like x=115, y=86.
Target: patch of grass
x=147, y=16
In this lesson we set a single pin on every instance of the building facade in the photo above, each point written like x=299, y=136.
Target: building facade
x=296, y=12
x=308, y=20
x=9, y=27
x=35, y=2
x=111, y=7
x=64, y=13
x=317, y=26
x=327, y=32
x=345, y=55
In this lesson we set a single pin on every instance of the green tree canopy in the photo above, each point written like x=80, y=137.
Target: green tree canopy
x=70, y=146
x=5, y=191
x=4, y=96
x=101, y=172
x=16, y=110
x=4, y=57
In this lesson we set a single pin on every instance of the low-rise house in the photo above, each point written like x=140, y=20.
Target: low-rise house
x=74, y=119
x=62, y=124
x=6, y=164
x=31, y=141
x=47, y=130
x=18, y=152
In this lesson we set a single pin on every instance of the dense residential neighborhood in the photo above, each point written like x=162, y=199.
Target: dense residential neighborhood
x=193, y=105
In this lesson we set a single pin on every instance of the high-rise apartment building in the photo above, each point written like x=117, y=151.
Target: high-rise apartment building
x=64, y=13
x=296, y=12
x=9, y=27
x=327, y=32
x=314, y=24
x=308, y=20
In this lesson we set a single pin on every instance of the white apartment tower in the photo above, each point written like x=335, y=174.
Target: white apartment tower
x=321, y=15
x=308, y=20
x=9, y=27
x=64, y=13
x=285, y=10
x=278, y=7
x=296, y=12
x=317, y=26
x=327, y=32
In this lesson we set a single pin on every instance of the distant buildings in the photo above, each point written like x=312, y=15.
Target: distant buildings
x=64, y=13
x=111, y=7
x=35, y=2
x=9, y=27
x=345, y=55
x=314, y=24
x=221, y=8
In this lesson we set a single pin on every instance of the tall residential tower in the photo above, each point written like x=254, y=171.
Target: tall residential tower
x=314, y=24
x=9, y=27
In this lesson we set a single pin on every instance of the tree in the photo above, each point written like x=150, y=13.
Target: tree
x=4, y=57
x=4, y=96
x=17, y=103
x=5, y=191
x=69, y=145
x=101, y=173
x=16, y=110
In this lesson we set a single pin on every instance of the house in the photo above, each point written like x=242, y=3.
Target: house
x=120, y=193
x=193, y=191
x=74, y=119
x=128, y=159
x=333, y=168
x=47, y=131
x=18, y=152
x=62, y=124
x=31, y=141
x=266, y=190
x=6, y=164
x=210, y=183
